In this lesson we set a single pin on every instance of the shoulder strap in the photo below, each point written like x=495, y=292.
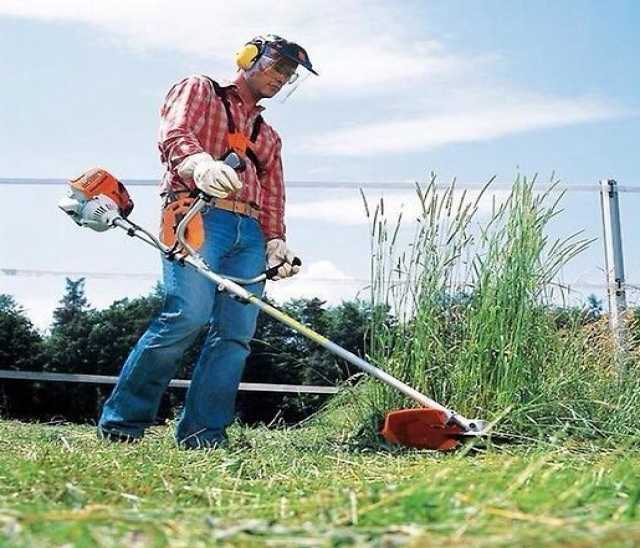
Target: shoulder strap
x=256, y=128
x=220, y=92
x=254, y=135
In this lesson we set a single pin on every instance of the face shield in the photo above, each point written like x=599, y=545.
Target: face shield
x=281, y=67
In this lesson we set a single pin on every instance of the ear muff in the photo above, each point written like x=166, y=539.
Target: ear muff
x=247, y=56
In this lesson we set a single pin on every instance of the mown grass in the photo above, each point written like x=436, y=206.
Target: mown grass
x=59, y=486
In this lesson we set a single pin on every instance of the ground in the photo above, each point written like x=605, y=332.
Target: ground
x=60, y=486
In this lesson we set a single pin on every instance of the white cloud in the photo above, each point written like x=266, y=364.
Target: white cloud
x=364, y=49
x=481, y=123
x=351, y=211
x=356, y=45
x=321, y=279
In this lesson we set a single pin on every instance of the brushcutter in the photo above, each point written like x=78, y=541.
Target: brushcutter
x=97, y=200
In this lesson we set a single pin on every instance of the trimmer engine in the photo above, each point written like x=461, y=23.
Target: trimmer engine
x=96, y=199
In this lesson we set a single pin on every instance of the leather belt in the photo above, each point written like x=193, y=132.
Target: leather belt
x=243, y=208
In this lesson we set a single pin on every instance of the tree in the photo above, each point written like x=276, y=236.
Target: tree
x=21, y=348
x=68, y=352
x=20, y=342
x=89, y=341
x=116, y=329
x=72, y=324
x=73, y=304
x=280, y=355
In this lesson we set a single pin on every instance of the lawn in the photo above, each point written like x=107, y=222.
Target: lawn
x=59, y=486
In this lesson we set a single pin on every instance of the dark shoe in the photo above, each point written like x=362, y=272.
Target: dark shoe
x=117, y=437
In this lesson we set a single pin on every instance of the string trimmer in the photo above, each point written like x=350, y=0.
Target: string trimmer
x=99, y=201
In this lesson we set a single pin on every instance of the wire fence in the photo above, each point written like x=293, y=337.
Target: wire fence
x=347, y=185
x=10, y=271
x=37, y=273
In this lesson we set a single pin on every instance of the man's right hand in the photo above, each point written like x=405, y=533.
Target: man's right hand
x=216, y=178
x=212, y=177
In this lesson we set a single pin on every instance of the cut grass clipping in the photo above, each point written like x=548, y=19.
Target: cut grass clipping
x=475, y=323
x=60, y=486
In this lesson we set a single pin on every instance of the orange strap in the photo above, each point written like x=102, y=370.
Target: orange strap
x=239, y=142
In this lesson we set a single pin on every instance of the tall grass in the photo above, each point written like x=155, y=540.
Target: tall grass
x=472, y=298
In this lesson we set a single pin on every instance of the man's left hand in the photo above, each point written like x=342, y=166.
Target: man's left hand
x=277, y=254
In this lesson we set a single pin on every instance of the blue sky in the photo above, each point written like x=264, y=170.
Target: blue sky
x=462, y=88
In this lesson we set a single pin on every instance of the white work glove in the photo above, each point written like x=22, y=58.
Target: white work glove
x=212, y=177
x=277, y=252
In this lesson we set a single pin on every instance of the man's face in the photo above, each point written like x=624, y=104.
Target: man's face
x=268, y=81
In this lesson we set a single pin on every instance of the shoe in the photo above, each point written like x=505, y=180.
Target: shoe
x=117, y=437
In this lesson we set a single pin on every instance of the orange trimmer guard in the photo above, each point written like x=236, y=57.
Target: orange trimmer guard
x=422, y=429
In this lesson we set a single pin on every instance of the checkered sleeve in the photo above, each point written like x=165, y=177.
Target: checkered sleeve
x=273, y=193
x=182, y=117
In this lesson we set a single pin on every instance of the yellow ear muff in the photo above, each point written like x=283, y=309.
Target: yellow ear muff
x=246, y=56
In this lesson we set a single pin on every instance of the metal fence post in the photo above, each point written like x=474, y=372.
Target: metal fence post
x=614, y=264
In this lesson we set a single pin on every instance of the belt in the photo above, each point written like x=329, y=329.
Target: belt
x=243, y=208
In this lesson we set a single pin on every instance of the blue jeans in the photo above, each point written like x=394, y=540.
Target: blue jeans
x=234, y=245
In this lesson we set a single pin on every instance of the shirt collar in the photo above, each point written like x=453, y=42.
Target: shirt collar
x=230, y=86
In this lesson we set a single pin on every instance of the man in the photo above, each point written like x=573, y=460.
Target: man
x=202, y=122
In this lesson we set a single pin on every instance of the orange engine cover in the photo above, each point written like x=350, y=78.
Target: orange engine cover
x=98, y=181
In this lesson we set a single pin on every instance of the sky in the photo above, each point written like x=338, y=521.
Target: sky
x=460, y=88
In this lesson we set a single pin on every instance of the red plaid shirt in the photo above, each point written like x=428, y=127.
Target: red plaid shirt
x=193, y=119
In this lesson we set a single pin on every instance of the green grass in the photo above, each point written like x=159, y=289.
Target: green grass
x=473, y=300
x=59, y=486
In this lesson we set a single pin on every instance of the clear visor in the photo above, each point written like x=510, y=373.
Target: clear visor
x=284, y=70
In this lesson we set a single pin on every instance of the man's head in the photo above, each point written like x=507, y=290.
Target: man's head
x=268, y=63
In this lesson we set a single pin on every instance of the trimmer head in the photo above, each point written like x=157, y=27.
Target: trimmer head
x=425, y=428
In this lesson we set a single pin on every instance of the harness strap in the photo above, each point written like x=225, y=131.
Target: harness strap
x=256, y=128
x=237, y=140
x=225, y=101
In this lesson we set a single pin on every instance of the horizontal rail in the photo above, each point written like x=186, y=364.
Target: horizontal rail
x=36, y=273
x=175, y=383
x=347, y=185
x=20, y=272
